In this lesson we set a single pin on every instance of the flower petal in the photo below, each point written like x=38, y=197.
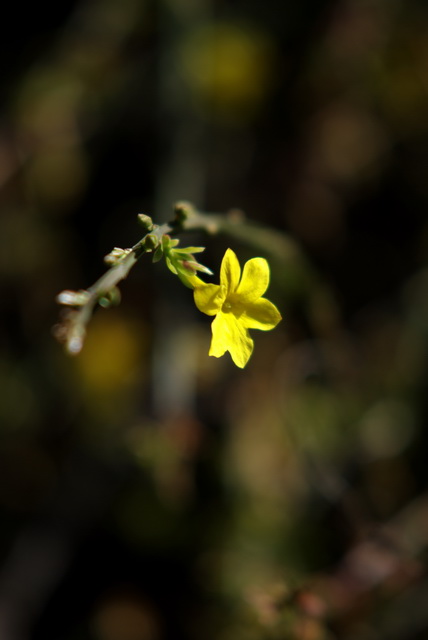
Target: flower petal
x=230, y=271
x=229, y=334
x=255, y=280
x=209, y=298
x=219, y=340
x=261, y=314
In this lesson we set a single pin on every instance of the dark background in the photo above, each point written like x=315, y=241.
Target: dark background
x=148, y=491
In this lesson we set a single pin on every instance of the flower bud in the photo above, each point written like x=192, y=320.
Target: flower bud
x=110, y=298
x=73, y=298
x=183, y=210
x=150, y=242
x=116, y=255
x=145, y=221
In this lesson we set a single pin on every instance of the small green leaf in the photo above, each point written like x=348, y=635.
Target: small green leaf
x=200, y=267
x=192, y=249
x=184, y=269
x=170, y=266
x=158, y=254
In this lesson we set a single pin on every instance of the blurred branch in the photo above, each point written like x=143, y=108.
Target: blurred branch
x=387, y=560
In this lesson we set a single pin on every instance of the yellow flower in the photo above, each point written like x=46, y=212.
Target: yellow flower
x=237, y=305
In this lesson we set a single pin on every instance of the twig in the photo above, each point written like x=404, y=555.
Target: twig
x=78, y=306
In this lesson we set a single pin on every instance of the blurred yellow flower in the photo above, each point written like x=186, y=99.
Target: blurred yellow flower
x=230, y=69
x=238, y=306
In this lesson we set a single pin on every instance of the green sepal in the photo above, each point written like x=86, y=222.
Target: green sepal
x=200, y=267
x=184, y=269
x=170, y=266
x=191, y=249
x=158, y=254
x=168, y=242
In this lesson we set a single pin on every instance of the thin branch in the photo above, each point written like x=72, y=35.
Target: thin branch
x=78, y=306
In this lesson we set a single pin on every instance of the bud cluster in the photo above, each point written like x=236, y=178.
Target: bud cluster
x=116, y=256
x=180, y=261
x=70, y=298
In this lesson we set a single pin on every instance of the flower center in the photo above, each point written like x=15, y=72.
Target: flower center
x=227, y=307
